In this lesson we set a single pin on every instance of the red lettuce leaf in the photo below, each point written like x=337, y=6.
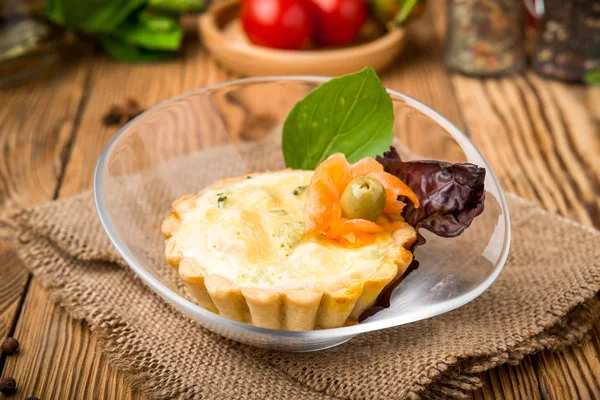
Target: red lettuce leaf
x=451, y=196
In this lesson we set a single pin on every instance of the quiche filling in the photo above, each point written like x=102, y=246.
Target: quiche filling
x=252, y=233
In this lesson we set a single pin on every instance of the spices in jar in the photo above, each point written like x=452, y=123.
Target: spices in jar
x=568, y=39
x=485, y=37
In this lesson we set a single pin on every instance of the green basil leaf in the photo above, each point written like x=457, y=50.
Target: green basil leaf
x=122, y=51
x=136, y=34
x=178, y=5
x=157, y=22
x=592, y=78
x=92, y=16
x=54, y=12
x=352, y=114
x=405, y=10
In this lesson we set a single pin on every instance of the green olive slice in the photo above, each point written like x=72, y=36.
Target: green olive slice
x=363, y=198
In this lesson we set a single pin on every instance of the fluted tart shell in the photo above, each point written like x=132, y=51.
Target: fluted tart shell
x=284, y=309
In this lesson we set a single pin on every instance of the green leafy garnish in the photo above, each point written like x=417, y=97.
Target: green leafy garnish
x=140, y=35
x=221, y=200
x=128, y=30
x=122, y=51
x=405, y=10
x=300, y=190
x=91, y=16
x=593, y=77
x=352, y=114
x=178, y=5
x=157, y=22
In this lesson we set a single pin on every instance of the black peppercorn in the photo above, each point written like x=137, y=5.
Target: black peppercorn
x=8, y=386
x=10, y=346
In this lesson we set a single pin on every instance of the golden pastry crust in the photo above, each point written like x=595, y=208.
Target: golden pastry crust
x=284, y=309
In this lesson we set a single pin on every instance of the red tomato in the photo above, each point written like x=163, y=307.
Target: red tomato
x=283, y=24
x=337, y=22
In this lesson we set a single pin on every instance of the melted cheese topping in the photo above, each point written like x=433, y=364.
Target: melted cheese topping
x=251, y=233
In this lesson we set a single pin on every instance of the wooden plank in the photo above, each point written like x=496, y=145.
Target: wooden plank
x=36, y=126
x=62, y=346
x=573, y=372
x=510, y=382
x=12, y=288
x=58, y=359
x=432, y=86
x=37, y=121
x=113, y=83
x=542, y=144
x=507, y=381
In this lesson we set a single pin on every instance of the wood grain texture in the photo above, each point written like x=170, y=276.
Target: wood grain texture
x=510, y=382
x=113, y=83
x=573, y=372
x=542, y=143
x=90, y=375
x=507, y=381
x=37, y=122
x=58, y=359
x=541, y=138
x=12, y=288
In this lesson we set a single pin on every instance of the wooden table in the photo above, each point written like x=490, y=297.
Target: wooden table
x=541, y=137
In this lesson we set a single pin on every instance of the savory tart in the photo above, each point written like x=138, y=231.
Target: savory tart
x=273, y=250
x=299, y=249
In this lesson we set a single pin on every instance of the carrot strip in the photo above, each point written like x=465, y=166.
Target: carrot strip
x=321, y=207
x=389, y=181
x=322, y=210
x=361, y=168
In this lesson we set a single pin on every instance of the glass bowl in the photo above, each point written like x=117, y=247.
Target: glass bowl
x=184, y=144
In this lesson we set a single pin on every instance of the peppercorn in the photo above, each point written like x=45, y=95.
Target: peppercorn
x=8, y=386
x=113, y=116
x=10, y=346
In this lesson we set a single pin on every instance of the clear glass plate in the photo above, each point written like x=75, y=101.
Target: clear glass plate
x=184, y=144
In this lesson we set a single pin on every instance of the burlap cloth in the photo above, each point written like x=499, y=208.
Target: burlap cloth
x=544, y=299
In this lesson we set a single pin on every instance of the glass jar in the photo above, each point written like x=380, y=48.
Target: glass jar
x=27, y=41
x=486, y=37
x=568, y=40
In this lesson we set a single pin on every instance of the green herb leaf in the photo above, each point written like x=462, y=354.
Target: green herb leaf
x=221, y=201
x=352, y=114
x=136, y=34
x=91, y=16
x=300, y=190
x=156, y=21
x=122, y=51
x=178, y=5
x=593, y=77
x=405, y=10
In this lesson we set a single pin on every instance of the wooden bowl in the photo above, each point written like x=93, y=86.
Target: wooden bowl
x=223, y=36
